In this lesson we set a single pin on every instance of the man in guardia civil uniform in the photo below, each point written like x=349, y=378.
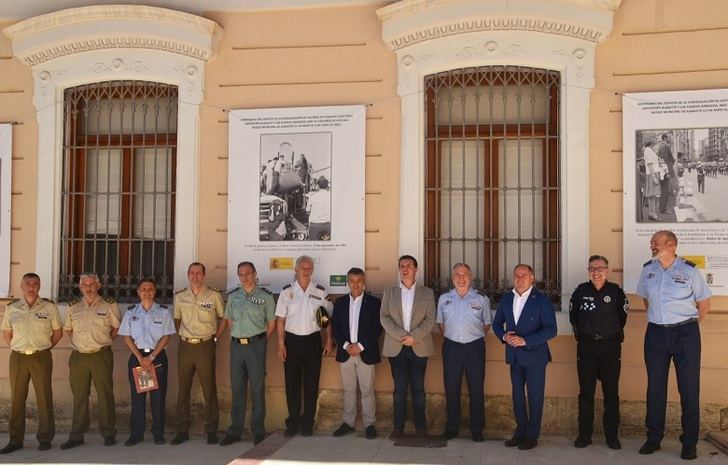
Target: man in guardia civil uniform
x=250, y=313
x=31, y=326
x=92, y=324
x=198, y=312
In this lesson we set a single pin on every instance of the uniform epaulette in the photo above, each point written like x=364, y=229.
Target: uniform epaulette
x=265, y=289
x=647, y=262
x=49, y=300
x=72, y=302
x=319, y=286
x=481, y=292
x=181, y=290
x=234, y=289
x=286, y=286
x=13, y=301
x=163, y=306
x=219, y=291
x=689, y=263
x=131, y=307
x=109, y=300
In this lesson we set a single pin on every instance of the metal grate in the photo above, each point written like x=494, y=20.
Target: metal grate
x=118, y=187
x=492, y=195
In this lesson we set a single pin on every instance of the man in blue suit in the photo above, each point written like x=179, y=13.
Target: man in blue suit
x=524, y=321
x=356, y=328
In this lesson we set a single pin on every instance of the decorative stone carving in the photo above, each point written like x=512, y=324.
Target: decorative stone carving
x=117, y=65
x=45, y=77
x=190, y=73
x=491, y=48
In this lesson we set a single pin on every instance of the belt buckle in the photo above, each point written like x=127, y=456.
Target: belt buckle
x=244, y=340
x=28, y=352
x=193, y=340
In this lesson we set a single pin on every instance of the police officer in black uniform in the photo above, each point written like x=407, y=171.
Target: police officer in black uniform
x=598, y=313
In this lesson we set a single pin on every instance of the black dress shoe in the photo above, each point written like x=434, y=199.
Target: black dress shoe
x=649, y=447
x=614, y=444
x=396, y=434
x=227, y=440
x=10, y=448
x=447, y=435
x=212, y=438
x=44, y=446
x=514, y=441
x=370, y=432
x=528, y=443
x=306, y=432
x=159, y=440
x=133, y=441
x=421, y=433
x=581, y=442
x=258, y=438
x=290, y=432
x=110, y=441
x=71, y=443
x=343, y=430
x=179, y=439
x=689, y=453
x=478, y=437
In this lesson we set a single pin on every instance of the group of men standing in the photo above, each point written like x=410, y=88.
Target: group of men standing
x=675, y=294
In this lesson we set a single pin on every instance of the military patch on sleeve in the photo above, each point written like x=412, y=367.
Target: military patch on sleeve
x=266, y=290
x=319, y=286
x=689, y=263
x=647, y=262
x=181, y=290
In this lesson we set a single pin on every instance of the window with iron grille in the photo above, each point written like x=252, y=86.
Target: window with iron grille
x=118, y=187
x=492, y=187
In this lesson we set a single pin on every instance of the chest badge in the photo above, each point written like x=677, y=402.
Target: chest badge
x=607, y=299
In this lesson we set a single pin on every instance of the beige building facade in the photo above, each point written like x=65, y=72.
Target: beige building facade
x=380, y=55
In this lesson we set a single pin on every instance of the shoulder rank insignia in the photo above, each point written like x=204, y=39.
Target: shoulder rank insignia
x=266, y=290
x=73, y=302
x=163, y=306
x=482, y=292
x=51, y=301
x=647, y=262
x=286, y=286
x=219, y=291
x=319, y=286
x=109, y=300
x=181, y=290
x=131, y=307
x=234, y=290
x=13, y=301
x=689, y=263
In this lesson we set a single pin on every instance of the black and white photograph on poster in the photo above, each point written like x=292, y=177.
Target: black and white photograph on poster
x=295, y=187
x=675, y=177
x=682, y=175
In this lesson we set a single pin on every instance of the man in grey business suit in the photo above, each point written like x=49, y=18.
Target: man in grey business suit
x=408, y=316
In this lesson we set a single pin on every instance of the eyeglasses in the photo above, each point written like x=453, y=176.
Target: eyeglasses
x=595, y=269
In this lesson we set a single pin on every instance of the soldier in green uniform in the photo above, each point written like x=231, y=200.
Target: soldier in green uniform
x=250, y=312
x=92, y=324
x=198, y=312
x=31, y=326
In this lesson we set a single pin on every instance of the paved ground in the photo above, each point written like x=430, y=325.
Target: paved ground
x=354, y=449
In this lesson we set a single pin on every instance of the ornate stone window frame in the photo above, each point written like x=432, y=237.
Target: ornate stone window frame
x=100, y=43
x=430, y=36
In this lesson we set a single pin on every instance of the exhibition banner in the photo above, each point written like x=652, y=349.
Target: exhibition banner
x=6, y=147
x=675, y=148
x=296, y=187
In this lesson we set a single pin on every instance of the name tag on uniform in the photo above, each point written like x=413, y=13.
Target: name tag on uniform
x=101, y=312
x=42, y=315
x=207, y=305
x=680, y=278
x=157, y=321
x=315, y=297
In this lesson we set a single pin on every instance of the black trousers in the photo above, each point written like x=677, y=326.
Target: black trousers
x=301, y=371
x=599, y=360
x=681, y=344
x=137, y=422
x=469, y=360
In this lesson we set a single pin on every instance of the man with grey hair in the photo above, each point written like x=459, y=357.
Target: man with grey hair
x=92, y=324
x=300, y=344
x=464, y=318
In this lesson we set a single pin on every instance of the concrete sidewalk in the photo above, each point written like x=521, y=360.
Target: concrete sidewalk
x=354, y=449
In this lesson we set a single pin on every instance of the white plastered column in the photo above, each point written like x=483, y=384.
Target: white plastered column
x=439, y=35
x=104, y=43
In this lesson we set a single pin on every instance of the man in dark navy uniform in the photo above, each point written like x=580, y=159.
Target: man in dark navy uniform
x=677, y=298
x=598, y=313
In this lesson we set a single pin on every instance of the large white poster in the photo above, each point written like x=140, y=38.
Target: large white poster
x=676, y=178
x=6, y=149
x=296, y=187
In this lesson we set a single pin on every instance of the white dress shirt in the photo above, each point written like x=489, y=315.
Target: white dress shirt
x=408, y=298
x=519, y=301
x=354, y=311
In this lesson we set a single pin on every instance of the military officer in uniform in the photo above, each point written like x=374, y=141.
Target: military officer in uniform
x=250, y=313
x=198, y=312
x=300, y=345
x=31, y=327
x=598, y=313
x=464, y=318
x=92, y=324
x=146, y=327
x=677, y=298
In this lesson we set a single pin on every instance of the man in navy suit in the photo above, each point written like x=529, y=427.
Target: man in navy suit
x=356, y=328
x=524, y=321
